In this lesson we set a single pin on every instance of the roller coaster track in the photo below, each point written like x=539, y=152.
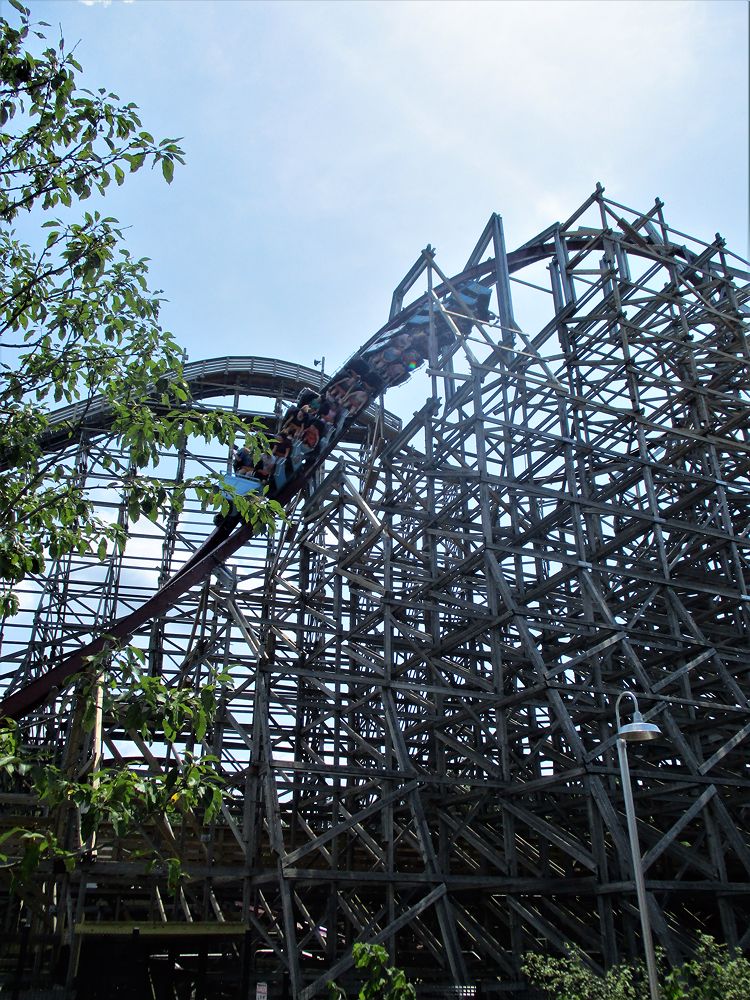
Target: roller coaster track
x=421, y=749
x=231, y=534
x=260, y=374
x=209, y=378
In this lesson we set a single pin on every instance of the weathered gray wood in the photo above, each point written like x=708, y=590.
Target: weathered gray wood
x=419, y=748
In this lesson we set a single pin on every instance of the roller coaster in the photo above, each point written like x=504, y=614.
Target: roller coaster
x=309, y=432
x=419, y=750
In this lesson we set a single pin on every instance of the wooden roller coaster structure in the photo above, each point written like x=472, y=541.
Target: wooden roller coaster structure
x=419, y=749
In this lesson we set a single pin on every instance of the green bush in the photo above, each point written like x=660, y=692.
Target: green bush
x=715, y=972
x=570, y=979
x=383, y=982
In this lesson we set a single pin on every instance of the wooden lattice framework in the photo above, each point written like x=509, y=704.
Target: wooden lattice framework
x=420, y=747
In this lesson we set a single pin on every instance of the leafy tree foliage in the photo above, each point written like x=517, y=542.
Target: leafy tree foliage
x=570, y=978
x=79, y=327
x=78, y=323
x=715, y=972
x=382, y=981
x=107, y=801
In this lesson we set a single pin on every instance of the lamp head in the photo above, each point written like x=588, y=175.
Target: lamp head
x=637, y=731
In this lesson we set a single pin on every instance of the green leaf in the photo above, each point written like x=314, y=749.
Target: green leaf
x=135, y=160
x=167, y=168
x=174, y=873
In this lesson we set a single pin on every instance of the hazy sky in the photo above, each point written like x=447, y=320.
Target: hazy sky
x=329, y=142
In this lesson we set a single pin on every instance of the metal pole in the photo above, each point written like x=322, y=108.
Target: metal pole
x=640, y=887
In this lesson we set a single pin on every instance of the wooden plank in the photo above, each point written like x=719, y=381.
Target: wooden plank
x=658, y=849
x=340, y=828
x=197, y=928
x=344, y=964
x=721, y=753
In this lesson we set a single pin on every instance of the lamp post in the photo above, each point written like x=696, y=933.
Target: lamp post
x=634, y=732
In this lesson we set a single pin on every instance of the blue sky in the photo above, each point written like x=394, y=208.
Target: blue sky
x=328, y=143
